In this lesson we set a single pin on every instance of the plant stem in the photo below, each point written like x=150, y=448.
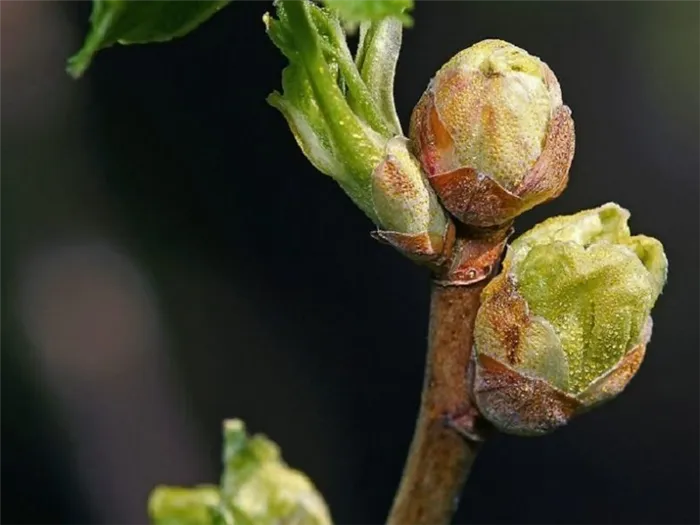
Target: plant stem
x=449, y=429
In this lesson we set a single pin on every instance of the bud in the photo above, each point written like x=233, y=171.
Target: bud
x=261, y=488
x=412, y=219
x=492, y=134
x=565, y=325
x=257, y=486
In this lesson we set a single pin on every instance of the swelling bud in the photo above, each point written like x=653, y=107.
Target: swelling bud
x=564, y=326
x=492, y=134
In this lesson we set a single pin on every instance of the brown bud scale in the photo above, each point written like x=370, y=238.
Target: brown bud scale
x=530, y=406
x=478, y=200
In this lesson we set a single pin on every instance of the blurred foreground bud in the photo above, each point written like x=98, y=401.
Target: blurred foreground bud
x=492, y=133
x=564, y=326
x=257, y=488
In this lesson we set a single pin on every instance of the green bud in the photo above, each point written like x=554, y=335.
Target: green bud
x=493, y=134
x=260, y=487
x=257, y=488
x=564, y=326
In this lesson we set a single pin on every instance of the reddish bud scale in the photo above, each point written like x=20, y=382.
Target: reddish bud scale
x=520, y=403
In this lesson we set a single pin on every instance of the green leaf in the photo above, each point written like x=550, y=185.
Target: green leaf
x=357, y=11
x=335, y=48
x=377, y=56
x=139, y=22
x=338, y=141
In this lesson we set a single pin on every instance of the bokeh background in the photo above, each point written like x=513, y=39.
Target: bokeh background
x=170, y=259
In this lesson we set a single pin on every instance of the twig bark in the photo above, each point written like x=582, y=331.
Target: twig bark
x=449, y=429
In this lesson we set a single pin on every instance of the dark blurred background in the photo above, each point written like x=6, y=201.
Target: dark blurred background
x=170, y=259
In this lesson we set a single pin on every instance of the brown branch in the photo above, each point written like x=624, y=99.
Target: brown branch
x=448, y=430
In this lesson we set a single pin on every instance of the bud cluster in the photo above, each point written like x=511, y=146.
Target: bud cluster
x=565, y=324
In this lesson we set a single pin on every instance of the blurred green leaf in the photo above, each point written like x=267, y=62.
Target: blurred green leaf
x=139, y=22
x=184, y=506
x=355, y=11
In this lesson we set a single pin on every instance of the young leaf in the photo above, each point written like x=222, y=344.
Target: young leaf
x=139, y=22
x=377, y=55
x=356, y=11
x=338, y=141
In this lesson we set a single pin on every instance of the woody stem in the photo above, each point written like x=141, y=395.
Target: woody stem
x=440, y=458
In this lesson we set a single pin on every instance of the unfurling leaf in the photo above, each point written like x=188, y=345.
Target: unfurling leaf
x=139, y=22
x=340, y=142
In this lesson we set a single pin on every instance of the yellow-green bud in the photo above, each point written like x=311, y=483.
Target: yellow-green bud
x=492, y=133
x=564, y=326
x=260, y=486
x=257, y=487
